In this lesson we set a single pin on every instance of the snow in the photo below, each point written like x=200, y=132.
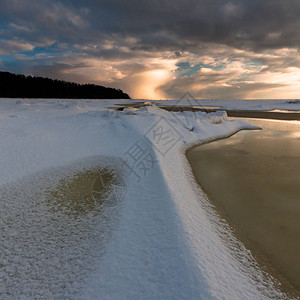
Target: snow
x=162, y=241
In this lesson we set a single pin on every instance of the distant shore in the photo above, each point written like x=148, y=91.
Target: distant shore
x=276, y=115
x=257, y=114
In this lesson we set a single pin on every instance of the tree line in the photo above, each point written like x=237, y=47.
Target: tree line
x=21, y=86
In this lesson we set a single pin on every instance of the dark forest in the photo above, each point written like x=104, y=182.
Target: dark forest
x=21, y=86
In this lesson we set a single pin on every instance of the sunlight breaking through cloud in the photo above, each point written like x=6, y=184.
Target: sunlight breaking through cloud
x=237, y=49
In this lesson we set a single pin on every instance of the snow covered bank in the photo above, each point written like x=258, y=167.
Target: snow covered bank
x=168, y=244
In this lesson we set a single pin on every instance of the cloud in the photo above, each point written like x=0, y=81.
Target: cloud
x=214, y=48
x=9, y=46
x=247, y=24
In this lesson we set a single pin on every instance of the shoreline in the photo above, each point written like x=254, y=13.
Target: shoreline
x=291, y=115
x=256, y=114
x=167, y=226
x=265, y=264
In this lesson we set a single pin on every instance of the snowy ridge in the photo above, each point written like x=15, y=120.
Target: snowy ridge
x=166, y=245
x=172, y=251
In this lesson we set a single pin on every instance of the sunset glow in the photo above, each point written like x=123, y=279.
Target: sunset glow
x=154, y=51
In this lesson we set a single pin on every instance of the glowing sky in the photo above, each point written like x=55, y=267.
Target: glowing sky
x=215, y=49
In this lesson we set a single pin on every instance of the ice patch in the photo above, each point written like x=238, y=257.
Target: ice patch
x=47, y=248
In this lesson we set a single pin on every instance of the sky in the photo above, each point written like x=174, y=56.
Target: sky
x=213, y=49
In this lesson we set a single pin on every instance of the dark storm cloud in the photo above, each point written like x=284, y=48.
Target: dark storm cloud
x=172, y=24
x=69, y=39
x=251, y=24
x=247, y=24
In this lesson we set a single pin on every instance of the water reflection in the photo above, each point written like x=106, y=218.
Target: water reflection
x=254, y=179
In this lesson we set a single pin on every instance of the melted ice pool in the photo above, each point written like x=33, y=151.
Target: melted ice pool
x=54, y=226
x=253, y=179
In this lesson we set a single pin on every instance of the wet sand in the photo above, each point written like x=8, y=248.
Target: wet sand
x=252, y=179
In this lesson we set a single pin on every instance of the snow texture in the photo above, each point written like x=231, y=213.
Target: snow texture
x=163, y=241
